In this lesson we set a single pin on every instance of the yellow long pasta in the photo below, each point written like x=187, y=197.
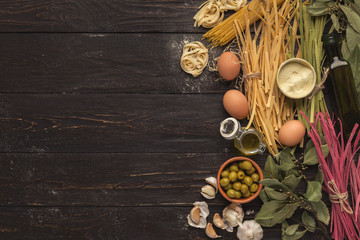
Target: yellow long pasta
x=269, y=108
x=224, y=32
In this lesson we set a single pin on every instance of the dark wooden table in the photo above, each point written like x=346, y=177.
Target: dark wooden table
x=103, y=136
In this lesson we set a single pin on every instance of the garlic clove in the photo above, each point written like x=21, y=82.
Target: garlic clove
x=210, y=231
x=204, y=208
x=195, y=214
x=213, y=182
x=208, y=192
x=201, y=224
x=218, y=222
x=195, y=220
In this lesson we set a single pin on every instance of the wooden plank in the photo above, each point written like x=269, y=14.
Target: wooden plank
x=146, y=179
x=98, y=16
x=107, y=223
x=133, y=123
x=132, y=63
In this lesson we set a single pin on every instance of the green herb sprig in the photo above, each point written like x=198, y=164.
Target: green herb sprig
x=281, y=197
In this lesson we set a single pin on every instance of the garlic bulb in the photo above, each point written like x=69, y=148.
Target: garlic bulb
x=233, y=215
x=208, y=192
x=210, y=231
x=198, y=215
x=249, y=230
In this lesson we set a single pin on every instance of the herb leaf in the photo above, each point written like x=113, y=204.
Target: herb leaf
x=352, y=38
x=318, y=8
x=322, y=212
x=275, y=195
x=313, y=191
x=297, y=235
x=352, y=17
x=292, y=229
x=355, y=66
x=271, y=169
x=286, y=212
x=292, y=181
x=274, y=183
x=335, y=22
x=308, y=221
x=266, y=214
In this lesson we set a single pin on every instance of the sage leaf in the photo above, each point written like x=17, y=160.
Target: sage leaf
x=293, y=171
x=308, y=221
x=322, y=212
x=271, y=169
x=292, y=229
x=354, y=61
x=268, y=210
x=274, y=183
x=319, y=176
x=275, y=195
x=313, y=191
x=297, y=235
x=263, y=196
x=318, y=8
x=352, y=37
x=292, y=181
x=286, y=212
x=352, y=17
x=335, y=22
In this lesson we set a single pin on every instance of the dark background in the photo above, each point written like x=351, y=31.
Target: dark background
x=103, y=136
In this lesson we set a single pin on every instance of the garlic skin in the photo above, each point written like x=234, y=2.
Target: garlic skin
x=249, y=230
x=210, y=231
x=213, y=182
x=218, y=222
x=204, y=213
x=208, y=192
x=233, y=215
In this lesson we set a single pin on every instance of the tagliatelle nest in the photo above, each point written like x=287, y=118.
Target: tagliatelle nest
x=211, y=12
x=194, y=58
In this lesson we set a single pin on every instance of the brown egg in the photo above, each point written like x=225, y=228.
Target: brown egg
x=236, y=104
x=228, y=66
x=291, y=133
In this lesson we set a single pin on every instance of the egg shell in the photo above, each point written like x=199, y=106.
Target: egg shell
x=228, y=66
x=236, y=104
x=291, y=133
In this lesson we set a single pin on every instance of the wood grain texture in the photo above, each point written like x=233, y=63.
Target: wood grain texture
x=169, y=179
x=98, y=16
x=83, y=63
x=138, y=223
x=130, y=123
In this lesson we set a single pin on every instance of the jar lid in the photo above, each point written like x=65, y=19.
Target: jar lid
x=229, y=128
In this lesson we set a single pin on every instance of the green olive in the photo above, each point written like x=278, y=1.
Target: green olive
x=224, y=182
x=237, y=186
x=244, y=188
x=227, y=187
x=246, y=195
x=254, y=187
x=233, y=176
x=255, y=177
x=240, y=175
x=231, y=193
x=227, y=169
x=246, y=165
x=237, y=194
x=234, y=168
x=248, y=181
x=225, y=174
x=240, y=164
x=251, y=171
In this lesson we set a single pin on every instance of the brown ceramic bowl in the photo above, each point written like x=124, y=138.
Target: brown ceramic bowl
x=238, y=159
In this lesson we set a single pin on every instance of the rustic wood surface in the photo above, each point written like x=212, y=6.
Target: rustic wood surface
x=103, y=136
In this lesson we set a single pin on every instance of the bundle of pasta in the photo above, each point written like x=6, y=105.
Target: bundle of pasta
x=262, y=54
x=224, y=32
